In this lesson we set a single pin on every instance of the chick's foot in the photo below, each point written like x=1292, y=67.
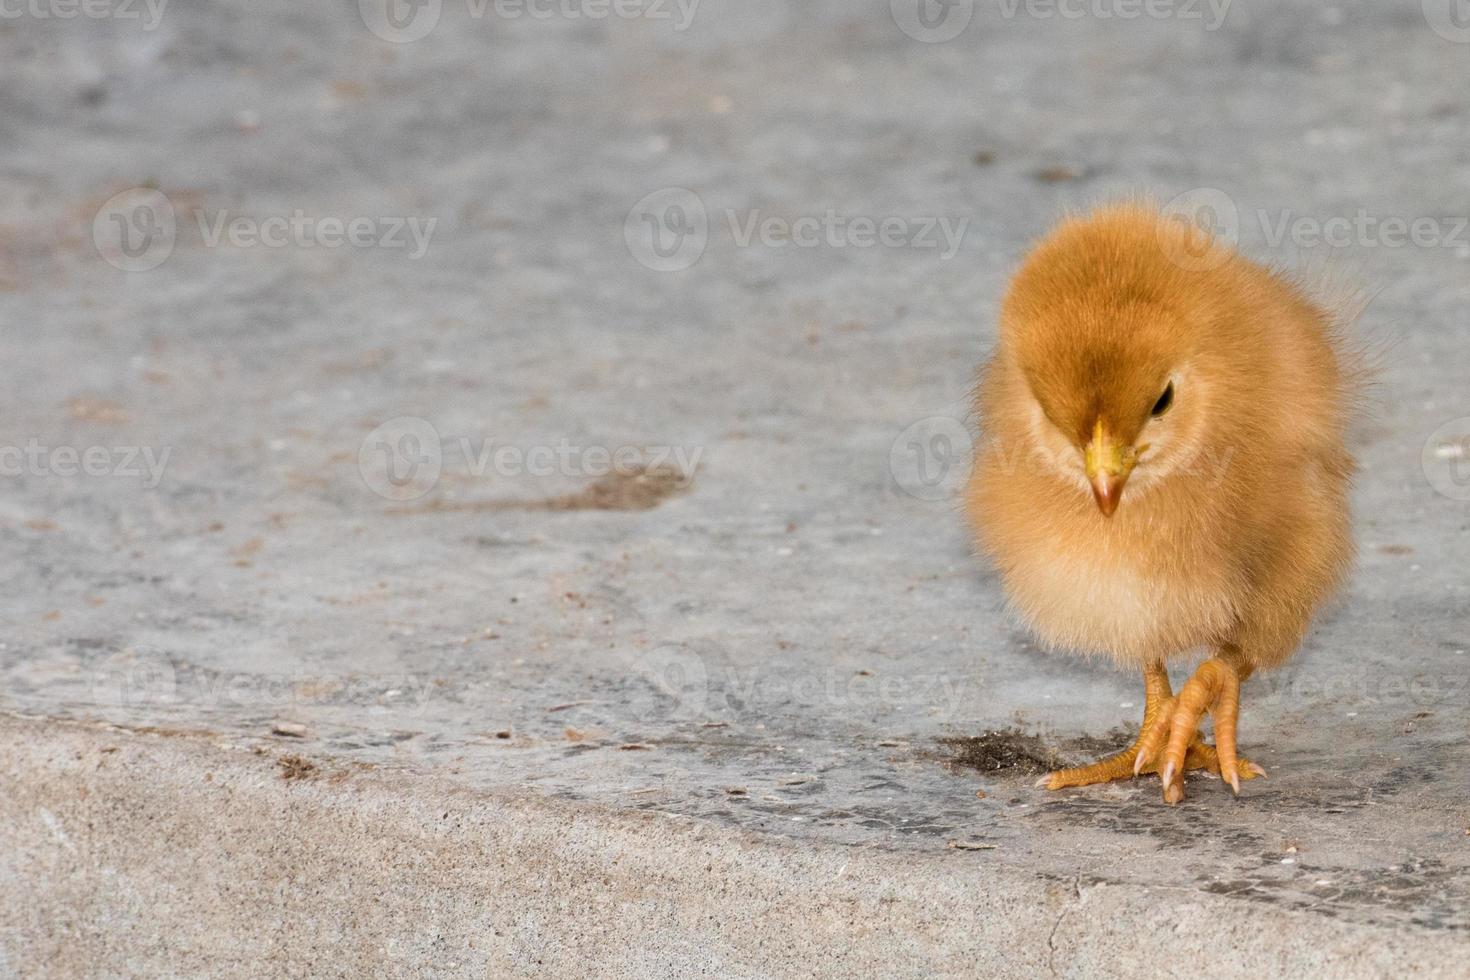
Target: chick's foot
x=1171, y=737
x=1144, y=756
x=1121, y=766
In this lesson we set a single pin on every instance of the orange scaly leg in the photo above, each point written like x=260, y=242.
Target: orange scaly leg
x=1167, y=741
x=1156, y=693
x=1159, y=706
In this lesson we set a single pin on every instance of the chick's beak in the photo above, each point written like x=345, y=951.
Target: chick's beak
x=1108, y=465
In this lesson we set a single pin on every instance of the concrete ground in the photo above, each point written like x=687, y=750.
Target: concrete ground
x=332, y=648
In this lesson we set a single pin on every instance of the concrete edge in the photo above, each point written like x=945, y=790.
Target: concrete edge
x=126, y=852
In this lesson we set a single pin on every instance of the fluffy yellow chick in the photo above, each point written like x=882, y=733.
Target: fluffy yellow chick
x=1162, y=469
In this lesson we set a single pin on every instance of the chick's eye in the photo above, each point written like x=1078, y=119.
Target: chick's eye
x=1165, y=401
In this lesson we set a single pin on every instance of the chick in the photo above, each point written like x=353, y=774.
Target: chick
x=1162, y=468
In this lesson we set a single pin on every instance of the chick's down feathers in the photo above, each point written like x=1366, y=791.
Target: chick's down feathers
x=1222, y=391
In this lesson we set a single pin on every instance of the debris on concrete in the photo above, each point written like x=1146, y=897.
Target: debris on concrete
x=1006, y=750
x=296, y=767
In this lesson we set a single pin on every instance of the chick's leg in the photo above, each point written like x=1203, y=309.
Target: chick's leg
x=1169, y=740
x=1158, y=701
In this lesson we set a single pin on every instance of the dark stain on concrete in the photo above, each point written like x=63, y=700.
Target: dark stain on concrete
x=1015, y=752
x=1006, y=750
x=641, y=489
x=296, y=767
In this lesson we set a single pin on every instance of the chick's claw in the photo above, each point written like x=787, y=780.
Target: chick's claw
x=1122, y=766
x=1172, y=735
x=1165, y=717
x=1114, y=767
x=1202, y=755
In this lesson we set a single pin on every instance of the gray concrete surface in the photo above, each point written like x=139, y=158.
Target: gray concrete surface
x=263, y=715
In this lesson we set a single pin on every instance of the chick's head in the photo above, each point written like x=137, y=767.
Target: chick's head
x=1115, y=348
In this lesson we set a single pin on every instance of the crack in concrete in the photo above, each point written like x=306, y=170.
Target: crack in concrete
x=1051, y=937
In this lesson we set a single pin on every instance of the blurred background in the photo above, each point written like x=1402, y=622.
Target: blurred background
x=485, y=384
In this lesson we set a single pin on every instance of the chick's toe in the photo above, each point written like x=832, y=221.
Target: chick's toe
x=1171, y=737
x=1167, y=718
